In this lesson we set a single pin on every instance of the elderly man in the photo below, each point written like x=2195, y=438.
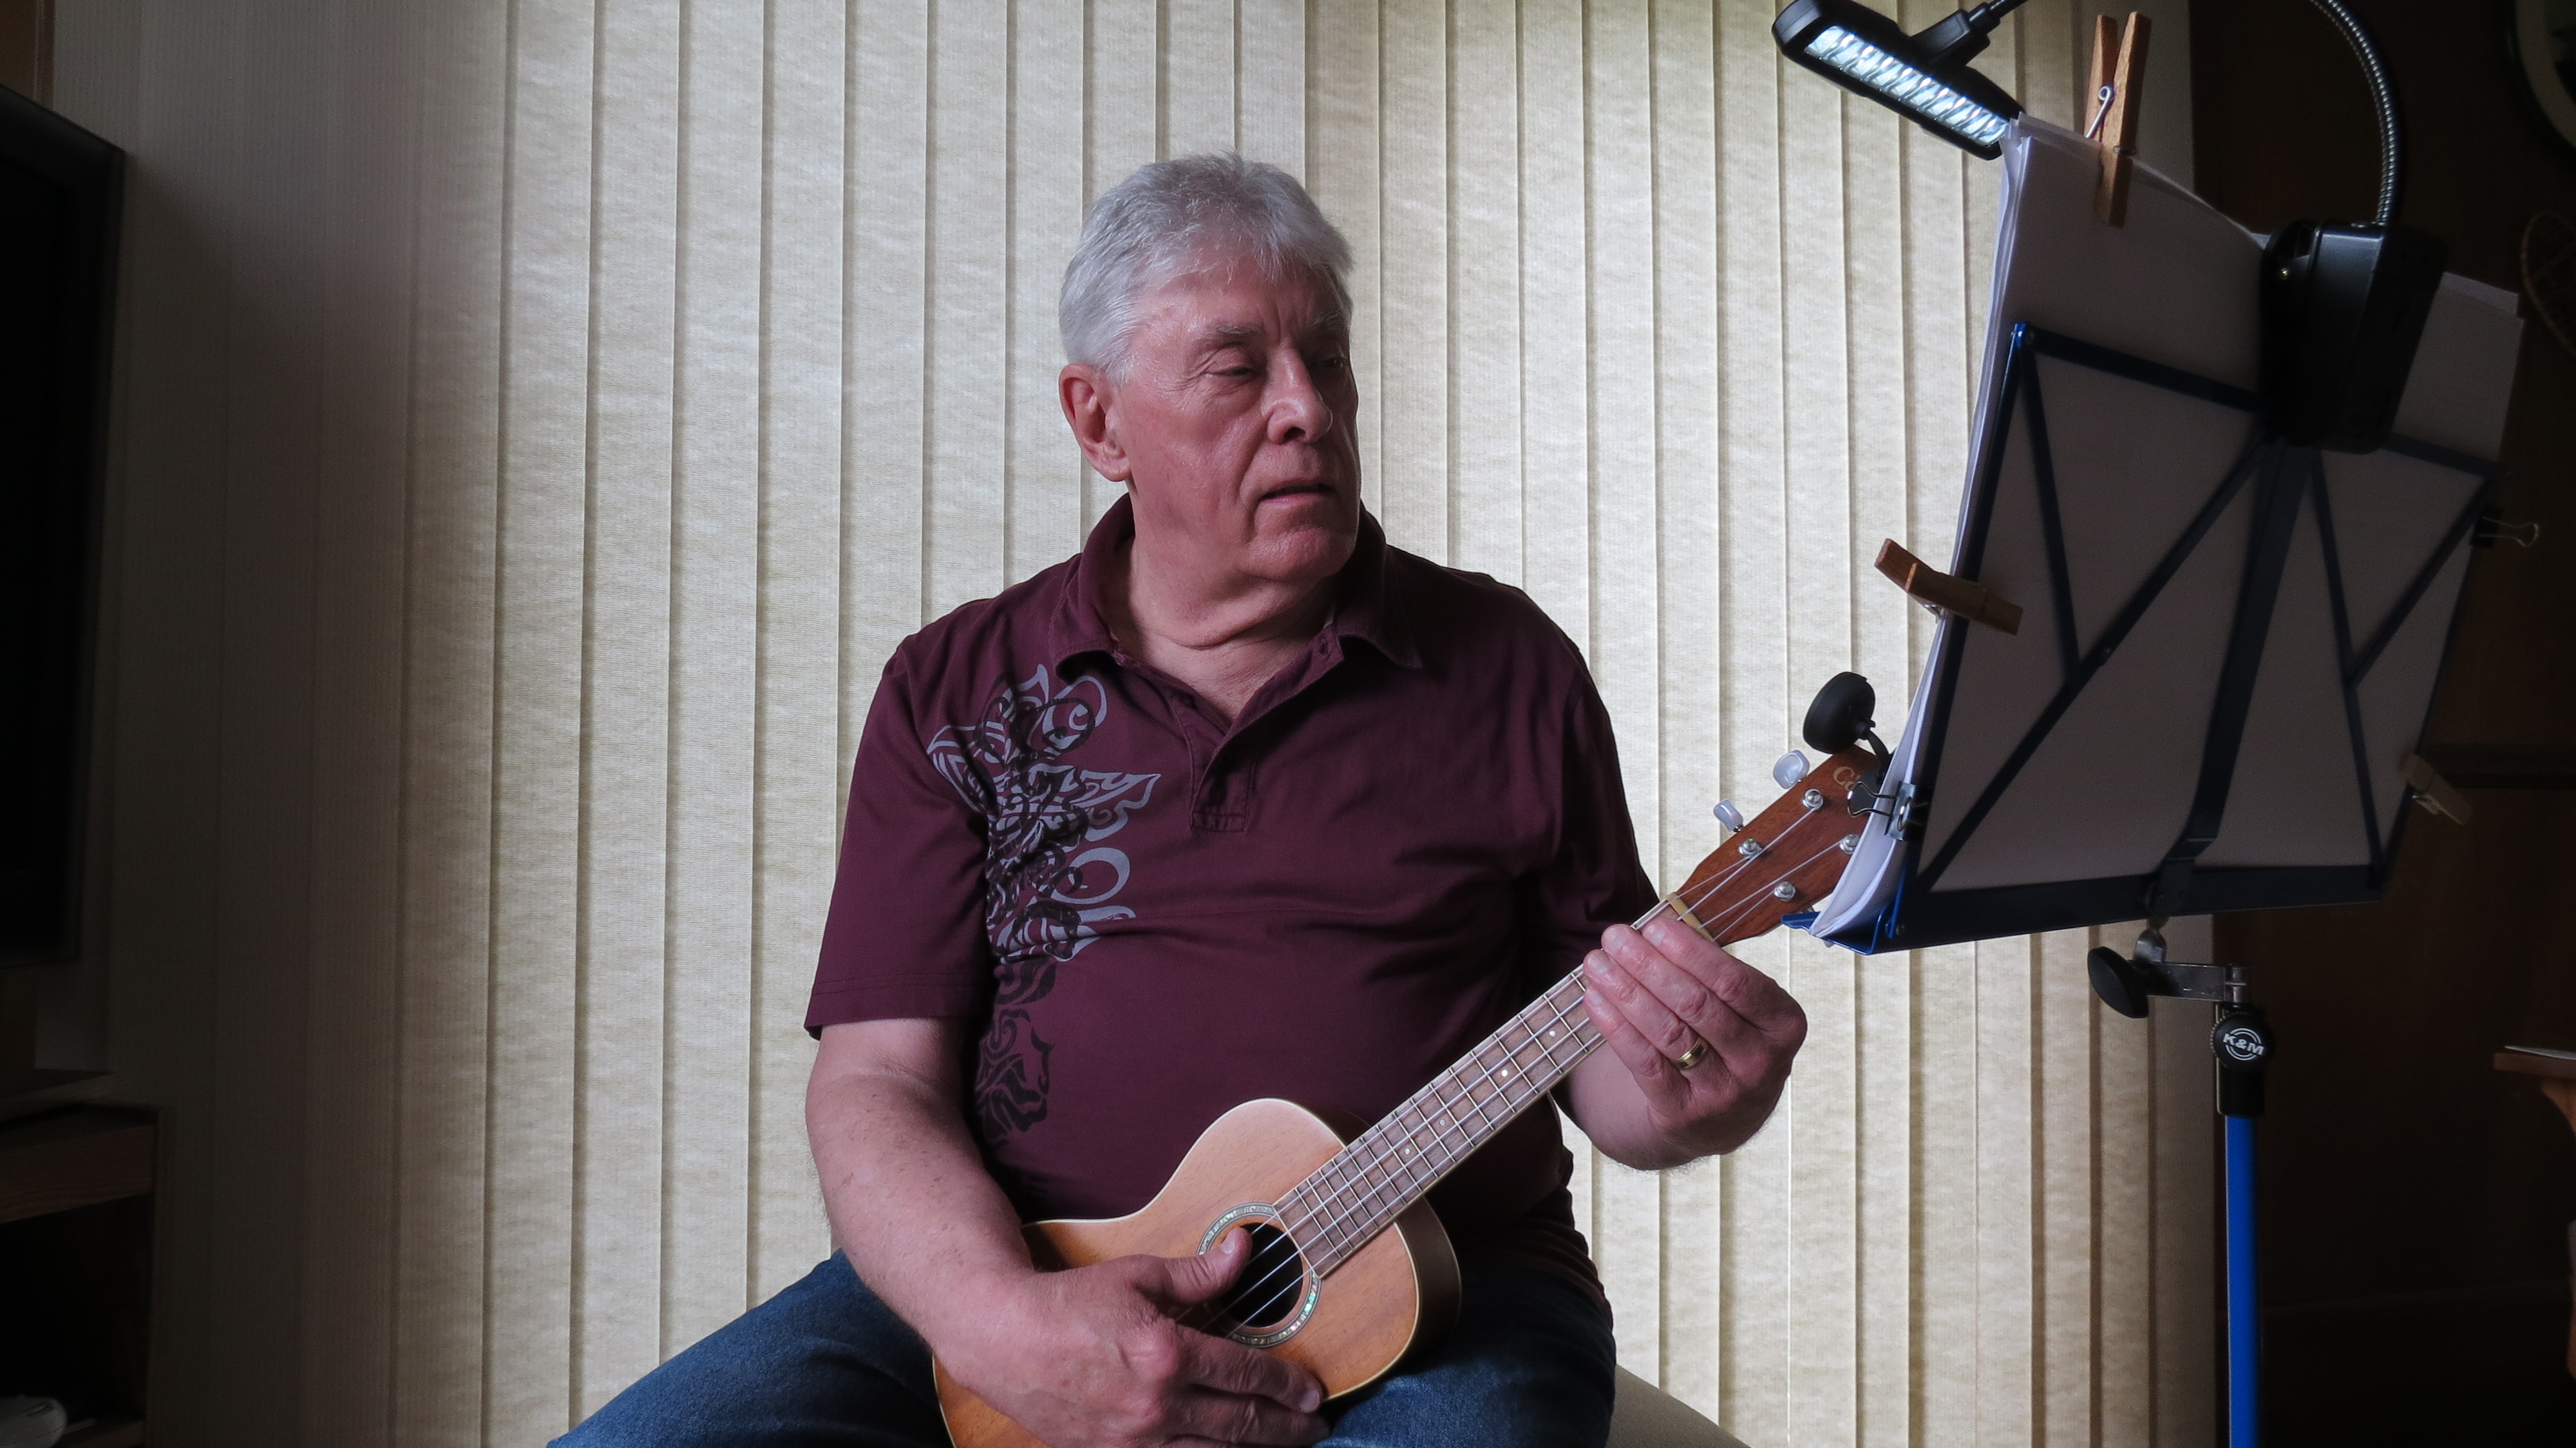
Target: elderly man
x=1239, y=802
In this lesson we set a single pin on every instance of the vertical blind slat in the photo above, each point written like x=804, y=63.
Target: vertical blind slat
x=626, y=703
x=715, y=645
x=537, y=742
x=1689, y=661
x=1484, y=334
x=1413, y=277
x=1046, y=215
x=801, y=509
x=352, y=1020
x=439, y=1301
x=963, y=353
x=1270, y=96
x=884, y=545
x=1627, y=633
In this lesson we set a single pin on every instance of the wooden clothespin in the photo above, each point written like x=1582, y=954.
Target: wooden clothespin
x=2118, y=77
x=2432, y=791
x=1935, y=589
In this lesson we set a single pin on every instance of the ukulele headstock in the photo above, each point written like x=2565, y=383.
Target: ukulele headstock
x=1786, y=858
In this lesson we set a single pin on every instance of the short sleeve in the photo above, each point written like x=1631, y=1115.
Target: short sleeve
x=1593, y=880
x=905, y=937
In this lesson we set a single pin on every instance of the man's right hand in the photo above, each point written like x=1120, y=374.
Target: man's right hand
x=1093, y=1358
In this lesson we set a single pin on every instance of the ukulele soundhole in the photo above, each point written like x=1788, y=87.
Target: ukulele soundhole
x=1274, y=1294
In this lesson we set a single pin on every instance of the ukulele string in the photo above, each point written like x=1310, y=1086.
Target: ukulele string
x=1350, y=1195
x=1357, y=1195
x=1348, y=1205
x=1469, y=1134
x=1754, y=905
x=1364, y=1201
x=1710, y=891
x=1344, y=1211
x=1694, y=904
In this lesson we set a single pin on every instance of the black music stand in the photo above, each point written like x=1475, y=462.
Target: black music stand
x=2231, y=645
x=2227, y=650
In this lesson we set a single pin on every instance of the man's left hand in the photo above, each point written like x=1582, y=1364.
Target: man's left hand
x=1664, y=997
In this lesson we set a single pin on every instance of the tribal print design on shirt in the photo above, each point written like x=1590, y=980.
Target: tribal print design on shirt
x=1048, y=878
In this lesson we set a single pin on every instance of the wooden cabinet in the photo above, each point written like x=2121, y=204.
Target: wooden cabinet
x=76, y=1265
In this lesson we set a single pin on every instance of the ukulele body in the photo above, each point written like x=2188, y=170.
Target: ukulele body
x=1396, y=1294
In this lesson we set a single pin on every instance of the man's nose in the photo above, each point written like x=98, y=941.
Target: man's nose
x=1298, y=412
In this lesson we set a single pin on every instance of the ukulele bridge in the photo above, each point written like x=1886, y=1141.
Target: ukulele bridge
x=1264, y=1310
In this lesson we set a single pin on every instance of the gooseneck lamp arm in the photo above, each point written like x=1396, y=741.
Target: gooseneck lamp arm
x=1960, y=36
x=2383, y=97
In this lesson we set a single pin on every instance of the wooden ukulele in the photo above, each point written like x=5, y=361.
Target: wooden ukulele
x=1327, y=1285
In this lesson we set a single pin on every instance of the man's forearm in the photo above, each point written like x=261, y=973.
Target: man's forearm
x=908, y=1195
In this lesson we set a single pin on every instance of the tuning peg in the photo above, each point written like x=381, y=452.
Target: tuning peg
x=1729, y=816
x=1789, y=769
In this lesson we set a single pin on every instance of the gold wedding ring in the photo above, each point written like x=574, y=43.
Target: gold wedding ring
x=1692, y=1057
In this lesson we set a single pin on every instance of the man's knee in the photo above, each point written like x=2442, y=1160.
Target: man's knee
x=1530, y=1364
x=823, y=1361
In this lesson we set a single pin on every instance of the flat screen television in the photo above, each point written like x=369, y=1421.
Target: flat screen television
x=60, y=189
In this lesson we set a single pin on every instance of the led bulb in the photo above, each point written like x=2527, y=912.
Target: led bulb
x=1909, y=89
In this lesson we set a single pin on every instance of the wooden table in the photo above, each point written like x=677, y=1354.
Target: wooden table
x=2557, y=1076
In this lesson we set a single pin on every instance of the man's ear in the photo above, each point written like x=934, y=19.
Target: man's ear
x=1090, y=409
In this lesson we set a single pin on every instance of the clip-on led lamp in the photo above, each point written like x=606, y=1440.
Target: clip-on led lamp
x=1924, y=78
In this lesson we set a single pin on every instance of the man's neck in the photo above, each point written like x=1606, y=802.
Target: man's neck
x=1223, y=636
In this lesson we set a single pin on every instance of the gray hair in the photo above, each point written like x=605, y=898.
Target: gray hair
x=1142, y=231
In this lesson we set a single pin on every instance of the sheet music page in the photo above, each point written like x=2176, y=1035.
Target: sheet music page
x=2176, y=285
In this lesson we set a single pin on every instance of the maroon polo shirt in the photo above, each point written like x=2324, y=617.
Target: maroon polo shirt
x=1152, y=916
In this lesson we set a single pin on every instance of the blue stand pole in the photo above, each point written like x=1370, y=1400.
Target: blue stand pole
x=2244, y=1323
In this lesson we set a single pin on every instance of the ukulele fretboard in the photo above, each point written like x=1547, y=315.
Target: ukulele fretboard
x=1350, y=1199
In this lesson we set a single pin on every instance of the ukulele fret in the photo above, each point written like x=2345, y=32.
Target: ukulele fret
x=1461, y=1110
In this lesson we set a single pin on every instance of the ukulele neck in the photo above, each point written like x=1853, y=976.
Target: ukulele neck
x=1389, y=1167
x=1384, y=1170
x=1781, y=862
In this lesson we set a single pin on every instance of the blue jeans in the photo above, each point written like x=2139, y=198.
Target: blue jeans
x=825, y=1362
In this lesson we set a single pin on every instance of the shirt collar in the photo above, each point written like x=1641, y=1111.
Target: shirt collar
x=1366, y=606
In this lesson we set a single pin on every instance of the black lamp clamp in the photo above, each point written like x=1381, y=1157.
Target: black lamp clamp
x=2239, y=1040
x=2344, y=303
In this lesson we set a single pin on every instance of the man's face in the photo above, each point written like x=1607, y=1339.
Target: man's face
x=1233, y=423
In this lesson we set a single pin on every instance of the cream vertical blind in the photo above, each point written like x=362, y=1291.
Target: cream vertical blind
x=539, y=420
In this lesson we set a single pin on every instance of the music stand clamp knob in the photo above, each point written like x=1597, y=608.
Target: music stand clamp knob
x=2240, y=1041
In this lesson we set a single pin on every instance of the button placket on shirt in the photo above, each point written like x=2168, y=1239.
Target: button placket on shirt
x=1207, y=742
x=1220, y=779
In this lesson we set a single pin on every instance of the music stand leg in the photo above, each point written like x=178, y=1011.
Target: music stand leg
x=2242, y=1044
x=2244, y=1311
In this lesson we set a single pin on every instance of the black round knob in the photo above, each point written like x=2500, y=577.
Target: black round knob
x=2241, y=1039
x=1840, y=714
x=2118, y=981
